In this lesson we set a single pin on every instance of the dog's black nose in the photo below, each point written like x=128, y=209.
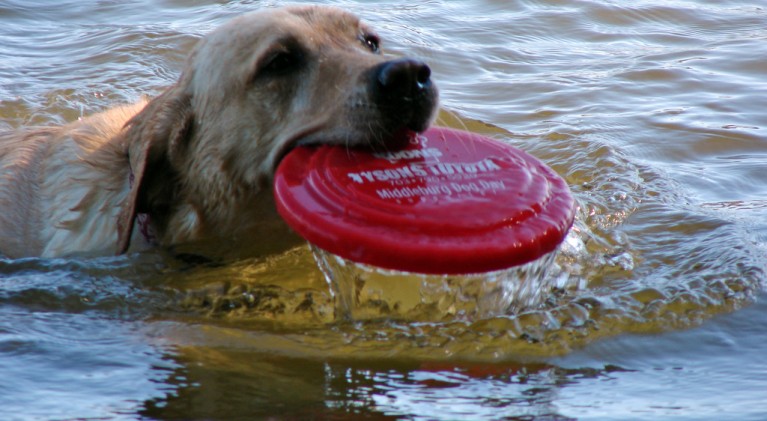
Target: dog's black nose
x=403, y=91
x=404, y=79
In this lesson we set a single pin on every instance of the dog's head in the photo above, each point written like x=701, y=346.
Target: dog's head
x=303, y=75
x=262, y=84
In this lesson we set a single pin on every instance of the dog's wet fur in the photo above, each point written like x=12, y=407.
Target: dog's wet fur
x=196, y=163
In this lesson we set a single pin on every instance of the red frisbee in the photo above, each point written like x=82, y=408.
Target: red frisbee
x=451, y=202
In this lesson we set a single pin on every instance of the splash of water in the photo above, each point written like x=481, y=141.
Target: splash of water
x=364, y=292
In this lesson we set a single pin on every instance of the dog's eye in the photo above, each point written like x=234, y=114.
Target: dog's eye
x=281, y=63
x=372, y=42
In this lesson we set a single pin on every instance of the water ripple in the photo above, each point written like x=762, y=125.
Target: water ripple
x=652, y=110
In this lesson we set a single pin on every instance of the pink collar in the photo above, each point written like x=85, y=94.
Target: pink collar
x=143, y=220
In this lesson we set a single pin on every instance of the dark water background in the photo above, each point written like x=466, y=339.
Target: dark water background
x=655, y=113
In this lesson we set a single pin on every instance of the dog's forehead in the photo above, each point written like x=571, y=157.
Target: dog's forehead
x=318, y=23
x=226, y=57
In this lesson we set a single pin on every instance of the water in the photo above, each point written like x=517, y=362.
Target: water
x=651, y=110
x=364, y=292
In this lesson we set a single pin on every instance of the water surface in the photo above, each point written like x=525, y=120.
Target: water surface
x=653, y=111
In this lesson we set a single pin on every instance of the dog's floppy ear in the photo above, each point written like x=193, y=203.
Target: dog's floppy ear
x=155, y=138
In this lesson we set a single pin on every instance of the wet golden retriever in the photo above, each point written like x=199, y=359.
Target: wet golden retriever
x=196, y=162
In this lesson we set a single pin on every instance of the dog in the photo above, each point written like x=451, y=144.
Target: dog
x=196, y=163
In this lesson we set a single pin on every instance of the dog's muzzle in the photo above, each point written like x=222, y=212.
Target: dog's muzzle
x=404, y=93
